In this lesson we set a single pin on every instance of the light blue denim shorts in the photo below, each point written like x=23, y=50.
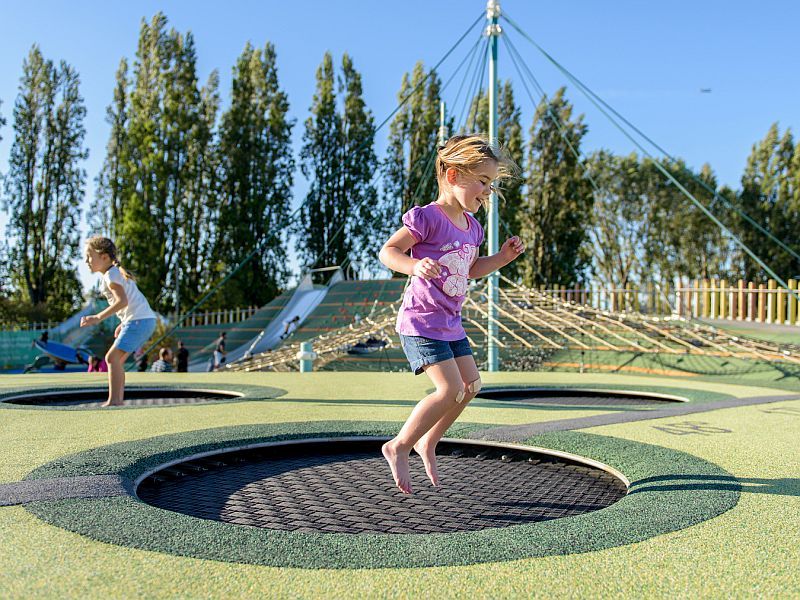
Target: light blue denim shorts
x=134, y=334
x=422, y=351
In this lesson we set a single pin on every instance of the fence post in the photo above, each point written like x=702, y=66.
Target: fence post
x=714, y=293
x=742, y=309
x=771, y=287
x=723, y=304
x=781, y=301
x=761, y=304
x=792, y=302
x=706, y=299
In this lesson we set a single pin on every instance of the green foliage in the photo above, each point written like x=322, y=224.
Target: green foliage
x=157, y=190
x=409, y=174
x=45, y=186
x=256, y=166
x=510, y=138
x=337, y=220
x=770, y=195
x=558, y=204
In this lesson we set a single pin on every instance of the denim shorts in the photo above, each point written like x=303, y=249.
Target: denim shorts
x=422, y=351
x=134, y=334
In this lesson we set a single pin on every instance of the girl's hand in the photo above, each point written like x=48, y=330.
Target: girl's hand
x=427, y=268
x=117, y=330
x=90, y=320
x=512, y=248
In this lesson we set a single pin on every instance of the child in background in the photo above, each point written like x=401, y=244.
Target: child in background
x=97, y=365
x=443, y=239
x=125, y=300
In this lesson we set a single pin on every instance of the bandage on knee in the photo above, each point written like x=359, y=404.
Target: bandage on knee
x=473, y=388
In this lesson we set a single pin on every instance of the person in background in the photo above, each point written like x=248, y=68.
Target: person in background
x=182, y=358
x=219, y=351
x=164, y=362
x=97, y=365
x=141, y=363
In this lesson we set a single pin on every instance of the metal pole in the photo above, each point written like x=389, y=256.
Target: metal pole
x=493, y=31
x=442, y=127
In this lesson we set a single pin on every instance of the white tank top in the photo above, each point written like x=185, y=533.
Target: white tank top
x=138, y=307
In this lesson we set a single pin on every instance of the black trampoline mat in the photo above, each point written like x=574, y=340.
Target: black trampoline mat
x=346, y=487
x=572, y=397
x=133, y=397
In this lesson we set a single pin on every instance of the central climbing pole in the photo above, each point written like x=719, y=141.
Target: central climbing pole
x=493, y=31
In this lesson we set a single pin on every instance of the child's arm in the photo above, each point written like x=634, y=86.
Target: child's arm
x=485, y=265
x=393, y=255
x=120, y=302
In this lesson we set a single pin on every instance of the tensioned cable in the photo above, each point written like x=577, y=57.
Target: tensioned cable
x=661, y=168
x=429, y=163
x=293, y=217
x=553, y=117
x=728, y=204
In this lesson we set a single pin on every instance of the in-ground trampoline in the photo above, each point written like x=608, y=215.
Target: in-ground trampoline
x=134, y=396
x=345, y=486
x=577, y=396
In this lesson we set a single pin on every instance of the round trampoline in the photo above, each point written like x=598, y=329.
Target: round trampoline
x=344, y=486
x=92, y=398
x=577, y=396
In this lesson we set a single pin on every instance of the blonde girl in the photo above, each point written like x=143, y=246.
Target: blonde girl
x=125, y=300
x=438, y=247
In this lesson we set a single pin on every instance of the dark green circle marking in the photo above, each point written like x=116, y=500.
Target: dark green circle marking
x=670, y=490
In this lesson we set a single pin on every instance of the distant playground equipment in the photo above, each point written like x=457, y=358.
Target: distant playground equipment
x=533, y=321
x=305, y=298
x=59, y=354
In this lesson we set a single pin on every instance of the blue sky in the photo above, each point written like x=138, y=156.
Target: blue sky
x=648, y=60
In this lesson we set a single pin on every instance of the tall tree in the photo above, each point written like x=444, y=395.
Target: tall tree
x=410, y=176
x=156, y=172
x=257, y=175
x=45, y=184
x=558, y=204
x=510, y=138
x=359, y=168
x=113, y=181
x=338, y=216
x=770, y=195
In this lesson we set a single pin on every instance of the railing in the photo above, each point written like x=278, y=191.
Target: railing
x=215, y=317
x=742, y=301
x=651, y=299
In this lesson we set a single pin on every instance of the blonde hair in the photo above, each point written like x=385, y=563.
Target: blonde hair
x=103, y=245
x=465, y=153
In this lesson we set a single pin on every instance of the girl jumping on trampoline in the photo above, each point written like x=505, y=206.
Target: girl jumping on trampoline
x=443, y=238
x=138, y=321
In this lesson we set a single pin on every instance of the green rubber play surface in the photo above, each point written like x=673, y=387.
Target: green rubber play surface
x=712, y=509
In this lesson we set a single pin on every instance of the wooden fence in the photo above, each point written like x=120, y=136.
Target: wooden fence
x=215, y=317
x=740, y=301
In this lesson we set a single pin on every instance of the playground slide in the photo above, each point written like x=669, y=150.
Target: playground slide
x=303, y=302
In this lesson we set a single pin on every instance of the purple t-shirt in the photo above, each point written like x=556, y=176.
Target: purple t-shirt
x=432, y=307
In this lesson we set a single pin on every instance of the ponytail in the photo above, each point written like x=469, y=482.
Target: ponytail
x=103, y=245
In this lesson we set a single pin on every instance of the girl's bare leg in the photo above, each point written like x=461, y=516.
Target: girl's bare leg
x=428, y=411
x=426, y=446
x=116, y=377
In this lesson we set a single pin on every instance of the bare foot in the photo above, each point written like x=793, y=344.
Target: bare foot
x=428, y=455
x=110, y=403
x=398, y=461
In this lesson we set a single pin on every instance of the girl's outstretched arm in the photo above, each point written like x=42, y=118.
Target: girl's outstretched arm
x=120, y=302
x=485, y=265
x=393, y=255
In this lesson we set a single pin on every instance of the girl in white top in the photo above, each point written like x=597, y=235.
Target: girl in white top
x=138, y=321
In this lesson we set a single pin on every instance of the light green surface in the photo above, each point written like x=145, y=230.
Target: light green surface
x=750, y=551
